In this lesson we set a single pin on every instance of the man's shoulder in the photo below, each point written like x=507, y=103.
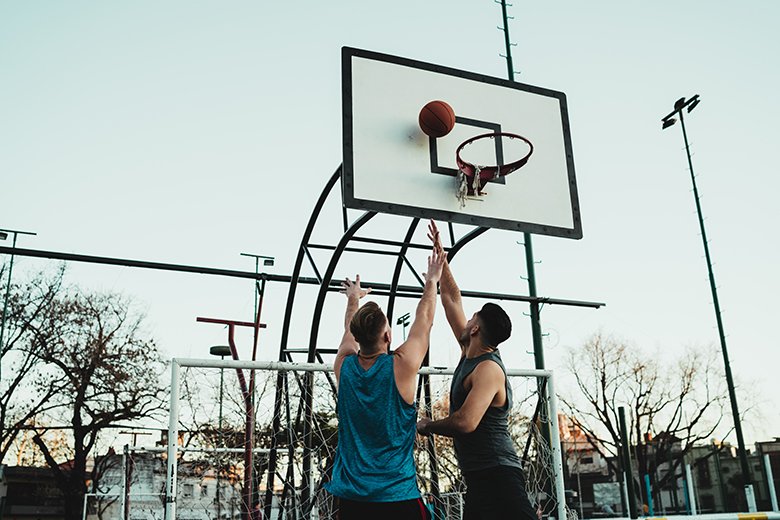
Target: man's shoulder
x=346, y=357
x=489, y=368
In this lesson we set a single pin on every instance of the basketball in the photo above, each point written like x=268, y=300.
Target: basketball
x=437, y=118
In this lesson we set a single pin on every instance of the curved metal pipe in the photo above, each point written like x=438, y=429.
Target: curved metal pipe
x=327, y=277
x=457, y=246
x=280, y=393
x=301, y=255
x=398, y=265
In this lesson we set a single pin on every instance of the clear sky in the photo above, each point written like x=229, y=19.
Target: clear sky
x=188, y=132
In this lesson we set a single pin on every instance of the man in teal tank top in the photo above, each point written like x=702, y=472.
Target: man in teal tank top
x=374, y=475
x=480, y=401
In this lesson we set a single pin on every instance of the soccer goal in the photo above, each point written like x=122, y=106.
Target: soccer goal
x=295, y=433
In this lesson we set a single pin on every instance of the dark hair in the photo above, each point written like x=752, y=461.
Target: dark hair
x=367, y=323
x=496, y=325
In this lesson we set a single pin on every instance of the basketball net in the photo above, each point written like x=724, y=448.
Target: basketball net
x=462, y=192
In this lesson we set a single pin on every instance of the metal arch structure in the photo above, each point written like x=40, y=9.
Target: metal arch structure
x=348, y=242
x=398, y=265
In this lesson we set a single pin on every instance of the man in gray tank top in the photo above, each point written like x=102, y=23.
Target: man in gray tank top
x=480, y=401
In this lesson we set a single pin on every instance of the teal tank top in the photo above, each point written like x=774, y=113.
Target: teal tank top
x=374, y=458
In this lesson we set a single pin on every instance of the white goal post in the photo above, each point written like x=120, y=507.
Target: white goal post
x=555, y=463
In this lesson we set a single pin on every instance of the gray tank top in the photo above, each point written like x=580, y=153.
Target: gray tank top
x=490, y=444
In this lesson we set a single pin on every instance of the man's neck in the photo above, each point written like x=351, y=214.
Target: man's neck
x=362, y=354
x=367, y=359
x=476, y=348
x=373, y=352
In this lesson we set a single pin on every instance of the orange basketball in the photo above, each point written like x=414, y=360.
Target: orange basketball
x=437, y=118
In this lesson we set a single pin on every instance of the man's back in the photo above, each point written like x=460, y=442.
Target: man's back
x=374, y=459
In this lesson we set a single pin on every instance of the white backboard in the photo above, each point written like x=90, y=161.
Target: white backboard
x=391, y=166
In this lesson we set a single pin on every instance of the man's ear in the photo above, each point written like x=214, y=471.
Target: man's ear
x=475, y=330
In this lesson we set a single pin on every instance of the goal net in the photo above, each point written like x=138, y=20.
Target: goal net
x=295, y=433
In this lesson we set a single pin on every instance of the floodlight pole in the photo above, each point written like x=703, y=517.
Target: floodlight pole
x=4, y=234
x=536, y=327
x=668, y=121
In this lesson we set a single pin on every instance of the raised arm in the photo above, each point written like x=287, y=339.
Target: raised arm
x=488, y=383
x=349, y=345
x=450, y=293
x=410, y=355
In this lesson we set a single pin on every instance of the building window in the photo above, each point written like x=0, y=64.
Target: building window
x=204, y=490
x=704, y=478
x=187, y=490
x=587, y=460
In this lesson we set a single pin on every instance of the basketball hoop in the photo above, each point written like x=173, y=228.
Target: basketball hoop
x=472, y=178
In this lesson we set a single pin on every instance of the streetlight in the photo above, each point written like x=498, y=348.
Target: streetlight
x=221, y=351
x=268, y=261
x=668, y=121
x=4, y=236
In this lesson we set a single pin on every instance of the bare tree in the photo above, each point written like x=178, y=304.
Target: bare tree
x=22, y=396
x=671, y=407
x=87, y=364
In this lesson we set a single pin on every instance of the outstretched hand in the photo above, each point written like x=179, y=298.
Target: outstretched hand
x=353, y=289
x=435, y=237
x=435, y=265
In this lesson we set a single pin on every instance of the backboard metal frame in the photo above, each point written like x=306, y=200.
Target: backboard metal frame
x=350, y=199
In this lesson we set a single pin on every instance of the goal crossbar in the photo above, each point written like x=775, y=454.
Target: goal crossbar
x=280, y=366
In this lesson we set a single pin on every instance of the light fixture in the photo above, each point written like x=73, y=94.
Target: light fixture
x=268, y=261
x=668, y=122
x=220, y=350
x=693, y=102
